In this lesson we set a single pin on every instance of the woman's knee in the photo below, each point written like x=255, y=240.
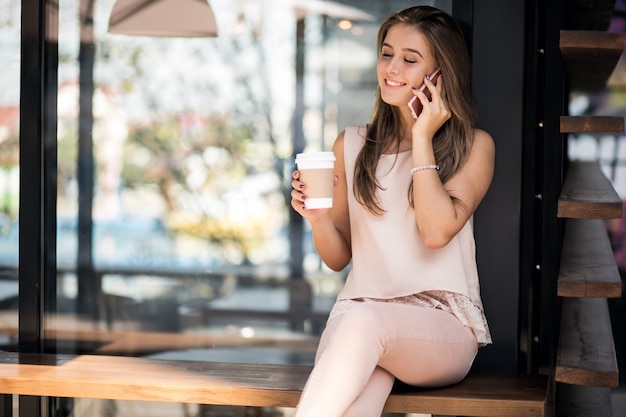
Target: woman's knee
x=372, y=399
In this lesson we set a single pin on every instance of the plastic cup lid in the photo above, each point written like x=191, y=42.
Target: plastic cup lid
x=315, y=156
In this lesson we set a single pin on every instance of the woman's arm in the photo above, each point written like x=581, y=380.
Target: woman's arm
x=331, y=227
x=441, y=210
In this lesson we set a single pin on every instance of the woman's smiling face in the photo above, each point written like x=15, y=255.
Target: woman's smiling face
x=405, y=59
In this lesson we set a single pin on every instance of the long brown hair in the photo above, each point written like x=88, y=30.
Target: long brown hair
x=453, y=140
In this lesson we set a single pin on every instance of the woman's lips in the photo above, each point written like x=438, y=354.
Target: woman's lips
x=394, y=84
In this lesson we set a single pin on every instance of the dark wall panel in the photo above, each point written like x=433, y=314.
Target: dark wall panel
x=498, y=64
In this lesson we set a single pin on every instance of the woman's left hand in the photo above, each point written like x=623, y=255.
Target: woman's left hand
x=434, y=113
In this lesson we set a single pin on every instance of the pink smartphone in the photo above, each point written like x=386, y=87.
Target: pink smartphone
x=415, y=104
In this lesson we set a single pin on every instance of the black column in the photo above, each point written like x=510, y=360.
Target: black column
x=37, y=212
x=88, y=281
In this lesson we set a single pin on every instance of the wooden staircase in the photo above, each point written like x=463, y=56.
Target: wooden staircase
x=586, y=365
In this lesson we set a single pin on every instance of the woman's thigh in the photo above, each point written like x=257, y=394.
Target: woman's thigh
x=419, y=346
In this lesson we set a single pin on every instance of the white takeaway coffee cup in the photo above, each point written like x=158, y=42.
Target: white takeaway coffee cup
x=317, y=173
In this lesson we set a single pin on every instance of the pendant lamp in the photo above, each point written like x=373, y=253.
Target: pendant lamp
x=166, y=18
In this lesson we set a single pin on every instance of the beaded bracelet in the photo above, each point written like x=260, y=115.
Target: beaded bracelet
x=421, y=167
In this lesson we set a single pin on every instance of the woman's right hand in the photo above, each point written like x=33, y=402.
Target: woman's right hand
x=330, y=226
x=298, y=198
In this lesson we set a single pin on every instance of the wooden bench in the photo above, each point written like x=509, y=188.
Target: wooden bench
x=247, y=384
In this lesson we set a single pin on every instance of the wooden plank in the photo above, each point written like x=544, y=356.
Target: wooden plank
x=590, y=57
x=592, y=124
x=588, y=194
x=588, y=267
x=582, y=44
x=247, y=384
x=586, y=353
x=477, y=395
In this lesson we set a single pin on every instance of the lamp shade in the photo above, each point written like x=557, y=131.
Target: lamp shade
x=167, y=18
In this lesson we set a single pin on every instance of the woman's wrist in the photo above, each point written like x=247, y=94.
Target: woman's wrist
x=424, y=167
x=423, y=153
x=422, y=142
x=322, y=222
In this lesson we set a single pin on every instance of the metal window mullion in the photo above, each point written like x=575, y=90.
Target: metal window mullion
x=37, y=211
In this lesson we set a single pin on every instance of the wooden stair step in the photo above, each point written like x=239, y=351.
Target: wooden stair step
x=586, y=352
x=579, y=401
x=589, y=15
x=592, y=124
x=588, y=194
x=590, y=57
x=588, y=267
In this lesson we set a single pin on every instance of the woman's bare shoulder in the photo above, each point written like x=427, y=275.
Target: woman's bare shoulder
x=483, y=144
x=341, y=136
x=339, y=142
x=482, y=139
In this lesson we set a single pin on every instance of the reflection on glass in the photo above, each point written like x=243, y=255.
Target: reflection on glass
x=193, y=141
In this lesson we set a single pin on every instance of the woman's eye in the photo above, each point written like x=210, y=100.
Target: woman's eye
x=410, y=61
x=386, y=54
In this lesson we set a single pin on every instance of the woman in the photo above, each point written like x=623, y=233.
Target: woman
x=405, y=192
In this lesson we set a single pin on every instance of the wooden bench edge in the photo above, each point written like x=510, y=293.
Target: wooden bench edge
x=247, y=384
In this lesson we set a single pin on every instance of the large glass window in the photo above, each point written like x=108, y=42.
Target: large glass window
x=185, y=169
x=9, y=162
x=174, y=159
x=173, y=209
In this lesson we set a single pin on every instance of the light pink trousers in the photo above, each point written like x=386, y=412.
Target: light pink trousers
x=363, y=350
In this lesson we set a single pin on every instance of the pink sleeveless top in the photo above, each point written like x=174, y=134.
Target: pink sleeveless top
x=389, y=259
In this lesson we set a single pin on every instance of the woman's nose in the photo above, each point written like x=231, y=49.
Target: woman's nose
x=392, y=67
